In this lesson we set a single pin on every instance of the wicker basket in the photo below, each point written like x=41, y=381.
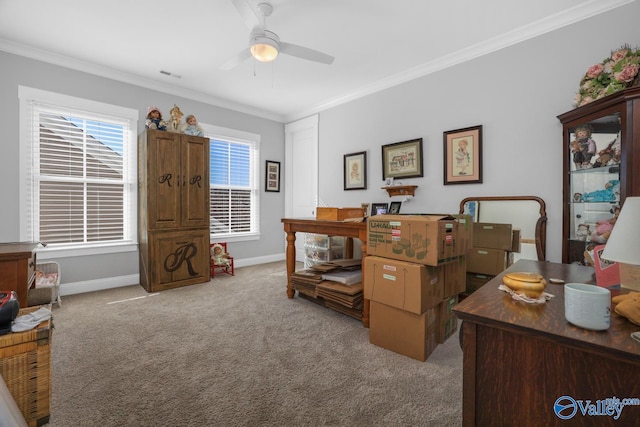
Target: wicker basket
x=46, y=294
x=25, y=366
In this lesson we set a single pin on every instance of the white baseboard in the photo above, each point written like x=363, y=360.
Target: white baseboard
x=134, y=279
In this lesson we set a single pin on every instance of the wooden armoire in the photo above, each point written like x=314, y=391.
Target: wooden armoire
x=173, y=210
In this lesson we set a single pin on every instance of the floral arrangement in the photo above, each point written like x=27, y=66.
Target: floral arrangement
x=610, y=76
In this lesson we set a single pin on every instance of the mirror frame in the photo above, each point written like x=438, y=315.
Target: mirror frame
x=541, y=223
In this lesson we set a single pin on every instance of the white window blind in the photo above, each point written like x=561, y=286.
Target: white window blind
x=234, y=186
x=82, y=186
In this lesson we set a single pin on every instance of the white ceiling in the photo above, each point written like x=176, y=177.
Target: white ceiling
x=376, y=43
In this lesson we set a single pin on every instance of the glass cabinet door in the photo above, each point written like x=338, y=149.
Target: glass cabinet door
x=594, y=178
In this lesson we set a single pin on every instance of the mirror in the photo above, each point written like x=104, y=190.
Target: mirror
x=527, y=213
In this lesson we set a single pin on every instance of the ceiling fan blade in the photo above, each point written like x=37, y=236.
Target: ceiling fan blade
x=247, y=13
x=236, y=60
x=305, y=53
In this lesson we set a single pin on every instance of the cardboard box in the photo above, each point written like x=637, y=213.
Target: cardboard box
x=423, y=239
x=492, y=236
x=475, y=281
x=403, y=285
x=488, y=261
x=413, y=335
x=464, y=230
x=338, y=214
x=447, y=320
x=455, y=276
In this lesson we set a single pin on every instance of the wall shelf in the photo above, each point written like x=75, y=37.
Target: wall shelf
x=400, y=190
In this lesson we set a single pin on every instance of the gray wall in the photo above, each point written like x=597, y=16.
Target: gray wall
x=515, y=93
x=17, y=70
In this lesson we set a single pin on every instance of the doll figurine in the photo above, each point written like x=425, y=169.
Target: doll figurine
x=219, y=256
x=583, y=148
x=610, y=193
x=154, y=119
x=583, y=233
x=176, y=119
x=191, y=127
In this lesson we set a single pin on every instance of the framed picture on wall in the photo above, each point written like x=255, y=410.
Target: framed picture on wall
x=272, y=178
x=355, y=171
x=402, y=159
x=463, y=156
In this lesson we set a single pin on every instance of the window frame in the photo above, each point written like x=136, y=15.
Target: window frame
x=233, y=135
x=28, y=194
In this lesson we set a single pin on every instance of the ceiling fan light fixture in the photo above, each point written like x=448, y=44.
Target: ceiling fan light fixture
x=264, y=46
x=264, y=52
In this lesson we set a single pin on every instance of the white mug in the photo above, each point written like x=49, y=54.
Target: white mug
x=587, y=306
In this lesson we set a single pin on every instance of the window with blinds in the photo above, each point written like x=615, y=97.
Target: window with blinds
x=82, y=180
x=233, y=183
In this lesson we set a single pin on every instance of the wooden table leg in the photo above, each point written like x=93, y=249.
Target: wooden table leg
x=291, y=260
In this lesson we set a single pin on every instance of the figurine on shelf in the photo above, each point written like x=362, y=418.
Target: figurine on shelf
x=583, y=148
x=610, y=155
x=191, y=127
x=154, y=119
x=605, y=226
x=176, y=119
x=219, y=256
x=610, y=193
x=583, y=233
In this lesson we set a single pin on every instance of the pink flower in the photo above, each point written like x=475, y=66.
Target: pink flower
x=619, y=54
x=594, y=71
x=627, y=73
x=585, y=100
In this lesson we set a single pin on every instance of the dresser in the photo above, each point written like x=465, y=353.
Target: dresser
x=18, y=268
x=523, y=362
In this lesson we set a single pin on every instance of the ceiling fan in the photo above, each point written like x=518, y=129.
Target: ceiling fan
x=265, y=45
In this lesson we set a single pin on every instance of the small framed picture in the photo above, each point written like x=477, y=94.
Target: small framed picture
x=272, y=178
x=379, y=208
x=463, y=156
x=355, y=171
x=394, y=207
x=365, y=208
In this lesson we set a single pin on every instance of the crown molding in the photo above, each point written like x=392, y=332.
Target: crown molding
x=535, y=29
x=136, y=80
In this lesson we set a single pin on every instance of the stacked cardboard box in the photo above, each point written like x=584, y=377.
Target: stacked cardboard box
x=491, y=253
x=414, y=271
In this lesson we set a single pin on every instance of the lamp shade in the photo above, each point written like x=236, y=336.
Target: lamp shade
x=264, y=46
x=623, y=244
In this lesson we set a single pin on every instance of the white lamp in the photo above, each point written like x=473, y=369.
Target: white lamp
x=623, y=244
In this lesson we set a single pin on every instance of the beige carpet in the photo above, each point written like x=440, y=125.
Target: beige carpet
x=237, y=352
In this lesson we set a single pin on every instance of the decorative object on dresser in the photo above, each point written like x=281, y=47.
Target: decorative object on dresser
x=622, y=245
x=173, y=210
x=355, y=171
x=394, y=207
x=379, y=208
x=593, y=192
x=463, y=156
x=402, y=160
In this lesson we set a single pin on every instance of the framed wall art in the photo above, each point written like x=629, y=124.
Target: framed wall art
x=402, y=159
x=272, y=178
x=355, y=171
x=463, y=156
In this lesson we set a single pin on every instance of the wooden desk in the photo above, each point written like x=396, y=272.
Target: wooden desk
x=518, y=359
x=18, y=268
x=330, y=228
